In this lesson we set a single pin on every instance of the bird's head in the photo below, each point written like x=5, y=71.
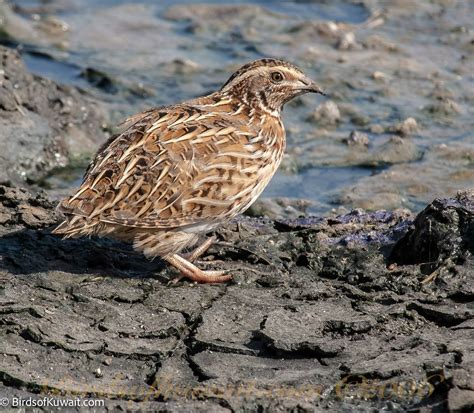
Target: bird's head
x=269, y=84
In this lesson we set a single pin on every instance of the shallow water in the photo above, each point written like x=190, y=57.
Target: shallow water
x=381, y=62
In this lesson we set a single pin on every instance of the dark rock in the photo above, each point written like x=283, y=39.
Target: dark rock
x=17, y=207
x=42, y=124
x=99, y=79
x=443, y=230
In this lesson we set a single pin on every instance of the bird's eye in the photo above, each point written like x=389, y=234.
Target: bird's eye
x=277, y=76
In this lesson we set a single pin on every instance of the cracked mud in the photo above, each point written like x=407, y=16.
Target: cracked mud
x=323, y=314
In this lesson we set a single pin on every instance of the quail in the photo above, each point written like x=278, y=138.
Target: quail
x=177, y=172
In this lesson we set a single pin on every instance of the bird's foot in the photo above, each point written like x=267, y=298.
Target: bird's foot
x=199, y=251
x=190, y=271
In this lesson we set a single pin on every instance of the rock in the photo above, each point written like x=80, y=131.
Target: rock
x=20, y=209
x=42, y=124
x=347, y=41
x=181, y=67
x=307, y=319
x=357, y=138
x=379, y=76
x=444, y=107
x=443, y=230
x=279, y=208
x=99, y=80
x=406, y=127
x=326, y=113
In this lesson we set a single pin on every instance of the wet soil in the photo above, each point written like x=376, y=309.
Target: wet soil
x=43, y=125
x=364, y=311
x=399, y=72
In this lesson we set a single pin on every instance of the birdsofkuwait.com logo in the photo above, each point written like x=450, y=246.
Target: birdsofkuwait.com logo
x=49, y=402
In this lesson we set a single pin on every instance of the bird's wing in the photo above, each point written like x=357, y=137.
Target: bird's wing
x=174, y=167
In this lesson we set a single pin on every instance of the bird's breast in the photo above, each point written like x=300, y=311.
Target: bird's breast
x=266, y=151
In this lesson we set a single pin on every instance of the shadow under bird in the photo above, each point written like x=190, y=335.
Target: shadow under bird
x=179, y=171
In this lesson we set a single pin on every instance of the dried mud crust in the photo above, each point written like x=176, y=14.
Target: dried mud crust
x=323, y=314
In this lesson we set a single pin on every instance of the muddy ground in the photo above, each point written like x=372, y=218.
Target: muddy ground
x=43, y=125
x=396, y=130
x=365, y=311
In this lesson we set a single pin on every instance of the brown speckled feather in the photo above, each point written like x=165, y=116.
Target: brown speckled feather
x=178, y=171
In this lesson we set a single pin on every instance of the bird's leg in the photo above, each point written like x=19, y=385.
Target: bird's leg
x=189, y=270
x=199, y=251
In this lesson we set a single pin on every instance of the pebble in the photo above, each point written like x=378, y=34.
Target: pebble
x=107, y=361
x=357, y=138
x=326, y=113
x=348, y=42
x=445, y=107
x=406, y=127
x=379, y=76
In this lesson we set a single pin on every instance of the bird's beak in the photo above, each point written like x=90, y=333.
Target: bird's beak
x=308, y=85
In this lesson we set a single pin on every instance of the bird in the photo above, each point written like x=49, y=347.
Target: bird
x=175, y=173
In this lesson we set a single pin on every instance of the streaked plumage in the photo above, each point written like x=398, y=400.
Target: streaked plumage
x=179, y=171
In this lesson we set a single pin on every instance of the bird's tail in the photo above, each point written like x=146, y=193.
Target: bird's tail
x=76, y=226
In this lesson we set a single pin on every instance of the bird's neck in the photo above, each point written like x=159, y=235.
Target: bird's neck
x=246, y=104
x=259, y=103
x=267, y=124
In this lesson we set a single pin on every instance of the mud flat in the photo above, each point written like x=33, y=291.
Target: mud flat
x=396, y=130
x=364, y=310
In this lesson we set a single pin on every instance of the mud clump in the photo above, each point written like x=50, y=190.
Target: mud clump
x=305, y=322
x=443, y=231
